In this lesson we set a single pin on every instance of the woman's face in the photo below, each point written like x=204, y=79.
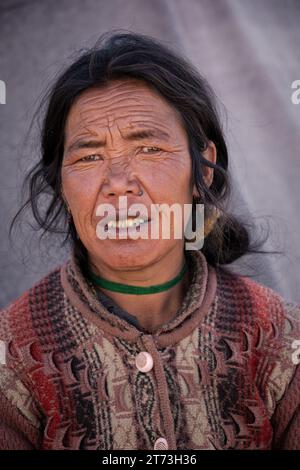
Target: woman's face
x=119, y=140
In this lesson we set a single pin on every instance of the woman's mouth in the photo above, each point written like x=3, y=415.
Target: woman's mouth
x=126, y=224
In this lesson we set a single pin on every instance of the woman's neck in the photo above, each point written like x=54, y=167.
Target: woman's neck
x=152, y=310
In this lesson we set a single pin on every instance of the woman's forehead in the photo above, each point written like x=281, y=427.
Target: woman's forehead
x=128, y=101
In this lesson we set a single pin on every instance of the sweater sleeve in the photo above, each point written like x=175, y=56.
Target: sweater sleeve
x=20, y=416
x=286, y=418
x=16, y=432
x=285, y=384
x=19, y=423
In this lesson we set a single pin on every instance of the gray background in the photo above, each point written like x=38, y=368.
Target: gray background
x=248, y=50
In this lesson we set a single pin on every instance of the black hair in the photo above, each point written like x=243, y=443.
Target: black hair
x=123, y=55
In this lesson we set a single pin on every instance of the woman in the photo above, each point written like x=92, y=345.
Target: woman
x=143, y=343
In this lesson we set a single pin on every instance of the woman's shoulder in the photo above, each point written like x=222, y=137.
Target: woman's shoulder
x=270, y=321
x=249, y=295
x=16, y=319
x=268, y=326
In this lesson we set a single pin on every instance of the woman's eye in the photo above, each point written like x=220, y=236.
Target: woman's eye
x=151, y=149
x=91, y=158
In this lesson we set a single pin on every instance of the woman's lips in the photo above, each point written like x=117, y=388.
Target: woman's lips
x=136, y=227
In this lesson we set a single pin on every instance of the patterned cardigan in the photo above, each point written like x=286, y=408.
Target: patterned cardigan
x=224, y=372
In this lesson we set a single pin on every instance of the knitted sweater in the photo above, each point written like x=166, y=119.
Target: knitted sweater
x=223, y=372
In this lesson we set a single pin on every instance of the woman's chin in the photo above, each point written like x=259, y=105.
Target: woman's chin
x=131, y=255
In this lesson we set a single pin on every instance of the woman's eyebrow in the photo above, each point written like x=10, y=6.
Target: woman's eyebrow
x=134, y=135
x=146, y=133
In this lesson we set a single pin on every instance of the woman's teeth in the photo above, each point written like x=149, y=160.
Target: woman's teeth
x=126, y=223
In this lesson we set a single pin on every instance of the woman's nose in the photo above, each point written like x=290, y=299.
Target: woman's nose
x=120, y=184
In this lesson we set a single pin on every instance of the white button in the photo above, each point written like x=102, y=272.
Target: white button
x=161, y=444
x=144, y=361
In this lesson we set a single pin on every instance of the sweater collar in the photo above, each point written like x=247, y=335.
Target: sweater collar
x=196, y=303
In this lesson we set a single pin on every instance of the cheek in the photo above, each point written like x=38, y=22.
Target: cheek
x=169, y=181
x=81, y=190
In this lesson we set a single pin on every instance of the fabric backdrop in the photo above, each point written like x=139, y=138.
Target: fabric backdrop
x=250, y=53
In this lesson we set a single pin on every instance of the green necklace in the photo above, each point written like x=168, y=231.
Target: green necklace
x=136, y=290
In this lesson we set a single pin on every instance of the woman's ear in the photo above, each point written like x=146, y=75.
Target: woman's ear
x=209, y=154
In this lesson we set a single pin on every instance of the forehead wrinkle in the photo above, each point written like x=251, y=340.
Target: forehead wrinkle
x=89, y=119
x=135, y=100
x=103, y=101
x=123, y=111
x=82, y=130
x=146, y=111
x=111, y=123
x=96, y=125
x=143, y=119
